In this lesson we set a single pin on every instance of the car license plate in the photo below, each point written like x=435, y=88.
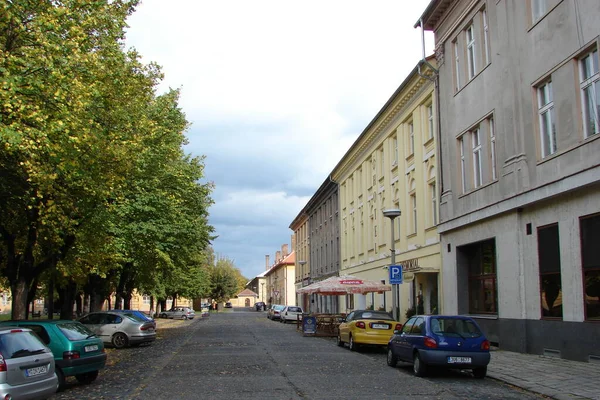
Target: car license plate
x=459, y=360
x=91, y=348
x=36, y=371
x=380, y=326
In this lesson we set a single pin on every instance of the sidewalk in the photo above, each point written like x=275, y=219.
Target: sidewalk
x=554, y=377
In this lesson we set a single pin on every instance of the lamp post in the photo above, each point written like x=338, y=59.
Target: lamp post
x=393, y=214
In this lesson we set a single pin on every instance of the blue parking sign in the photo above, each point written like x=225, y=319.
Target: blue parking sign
x=395, y=274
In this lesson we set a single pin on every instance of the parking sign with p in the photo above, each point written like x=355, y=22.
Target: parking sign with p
x=395, y=274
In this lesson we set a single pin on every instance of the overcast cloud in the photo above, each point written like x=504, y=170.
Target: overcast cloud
x=277, y=92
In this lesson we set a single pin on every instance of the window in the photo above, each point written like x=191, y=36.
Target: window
x=550, y=278
x=430, y=121
x=481, y=260
x=471, y=55
x=538, y=9
x=477, y=178
x=590, y=259
x=413, y=205
x=433, y=204
x=546, y=114
x=350, y=305
x=456, y=65
x=146, y=299
x=493, y=148
x=411, y=138
x=395, y=150
x=590, y=93
x=486, y=43
x=463, y=172
x=381, y=163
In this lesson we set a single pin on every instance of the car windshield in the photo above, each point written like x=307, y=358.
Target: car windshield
x=134, y=317
x=455, y=327
x=20, y=344
x=74, y=331
x=381, y=315
x=278, y=308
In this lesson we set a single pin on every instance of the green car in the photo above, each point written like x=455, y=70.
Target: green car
x=77, y=351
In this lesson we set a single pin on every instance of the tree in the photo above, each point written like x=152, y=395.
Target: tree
x=226, y=280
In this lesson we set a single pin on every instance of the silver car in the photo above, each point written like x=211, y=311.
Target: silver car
x=26, y=365
x=178, y=313
x=290, y=313
x=120, y=329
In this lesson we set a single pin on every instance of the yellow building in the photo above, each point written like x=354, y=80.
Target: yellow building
x=392, y=165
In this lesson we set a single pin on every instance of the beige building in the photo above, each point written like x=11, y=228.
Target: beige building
x=520, y=169
x=281, y=278
x=392, y=165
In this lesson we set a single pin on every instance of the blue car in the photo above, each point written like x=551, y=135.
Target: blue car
x=449, y=341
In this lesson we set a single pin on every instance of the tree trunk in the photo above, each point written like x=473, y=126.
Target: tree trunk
x=19, y=298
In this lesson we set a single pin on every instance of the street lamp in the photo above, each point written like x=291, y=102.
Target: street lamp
x=393, y=214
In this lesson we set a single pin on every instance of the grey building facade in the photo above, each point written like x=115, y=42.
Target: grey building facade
x=324, y=242
x=519, y=94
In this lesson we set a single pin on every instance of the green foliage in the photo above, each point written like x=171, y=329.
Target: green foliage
x=92, y=170
x=226, y=280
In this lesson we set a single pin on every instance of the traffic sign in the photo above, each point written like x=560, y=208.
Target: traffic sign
x=396, y=274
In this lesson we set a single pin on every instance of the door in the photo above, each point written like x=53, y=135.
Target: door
x=109, y=326
x=247, y=302
x=344, y=327
x=400, y=343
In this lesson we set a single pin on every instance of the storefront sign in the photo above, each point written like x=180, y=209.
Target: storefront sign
x=351, y=282
x=411, y=265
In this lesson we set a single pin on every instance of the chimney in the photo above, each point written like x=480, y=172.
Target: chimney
x=267, y=262
x=277, y=256
x=284, y=250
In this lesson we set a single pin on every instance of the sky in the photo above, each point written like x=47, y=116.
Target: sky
x=276, y=93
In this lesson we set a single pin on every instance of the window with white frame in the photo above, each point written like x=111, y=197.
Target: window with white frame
x=433, y=196
x=476, y=139
x=463, y=169
x=590, y=92
x=430, y=121
x=471, y=54
x=486, y=43
x=538, y=9
x=457, y=70
x=413, y=206
x=395, y=150
x=547, y=119
x=493, y=148
x=146, y=299
x=411, y=138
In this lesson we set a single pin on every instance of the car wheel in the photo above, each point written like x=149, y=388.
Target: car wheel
x=480, y=373
x=338, y=341
x=163, y=315
x=61, y=379
x=87, y=378
x=351, y=345
x=183, y=317
x=119, y=340
x=419, y=367
x=392, y=360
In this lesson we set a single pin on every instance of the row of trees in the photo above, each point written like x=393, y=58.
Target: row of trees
x=96, y=193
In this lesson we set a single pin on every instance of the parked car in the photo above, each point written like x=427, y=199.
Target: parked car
x=366, y=327
x=260, y=306
x=228, y=305
x=178, y=313
x=27, y=369
x=275, y=311
x=290, y=313
x=77, y=350
x=448, y=341
x=139, y=313
x=119, y=329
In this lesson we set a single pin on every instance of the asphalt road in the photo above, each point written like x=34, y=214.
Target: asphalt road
x=239, y=354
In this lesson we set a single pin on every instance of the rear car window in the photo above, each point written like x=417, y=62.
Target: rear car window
x=20, y=344
x=134, y=317
x=455, y=326
x=75, y=332
x=376, y=315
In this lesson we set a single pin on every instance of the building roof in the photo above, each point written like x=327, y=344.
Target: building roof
x=247, y=293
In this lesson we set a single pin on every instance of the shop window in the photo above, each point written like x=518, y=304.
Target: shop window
x=550, y=277
x=481, y=262
x=590, y=259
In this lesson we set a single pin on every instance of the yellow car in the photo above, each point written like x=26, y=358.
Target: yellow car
x=366, y=327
